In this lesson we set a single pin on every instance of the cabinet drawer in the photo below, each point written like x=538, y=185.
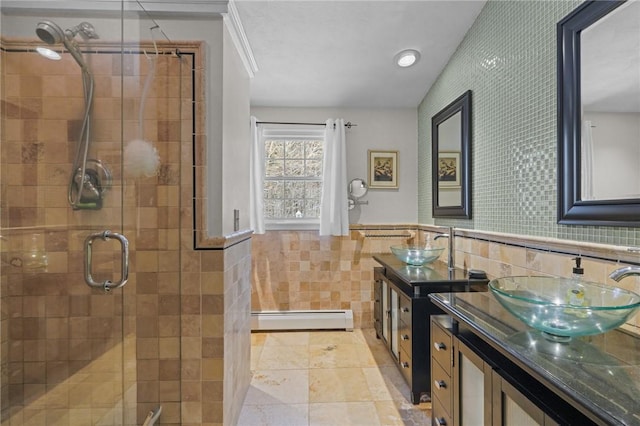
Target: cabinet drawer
x=405, y=311
x=441, y=386
x=440, y=415
x=406, y=339
x=406, y=366
x=441, y=347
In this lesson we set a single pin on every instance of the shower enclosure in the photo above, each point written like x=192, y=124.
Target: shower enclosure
x=91, y=263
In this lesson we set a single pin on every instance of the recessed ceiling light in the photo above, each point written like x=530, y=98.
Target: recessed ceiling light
x=407, y=57
x=48, y=53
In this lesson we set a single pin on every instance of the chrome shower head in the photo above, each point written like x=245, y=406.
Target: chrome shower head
x=50, y=33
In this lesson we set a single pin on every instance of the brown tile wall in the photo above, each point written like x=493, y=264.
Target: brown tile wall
x=501, y=256
x=298, y=270
x=65, y=341
x=236, y=330
x=181, y=322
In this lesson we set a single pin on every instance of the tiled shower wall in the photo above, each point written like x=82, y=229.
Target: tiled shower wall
x=66, y=342
x=62, y=343
x=508, y=60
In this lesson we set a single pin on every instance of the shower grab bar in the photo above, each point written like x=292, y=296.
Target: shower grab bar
x=107, y=285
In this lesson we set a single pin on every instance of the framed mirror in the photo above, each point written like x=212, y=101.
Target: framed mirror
x=451, y=159
x=599, y=115
x=358, y=188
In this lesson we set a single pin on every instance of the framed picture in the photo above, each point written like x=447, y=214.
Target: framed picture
x=383, y=169
x=449, y=169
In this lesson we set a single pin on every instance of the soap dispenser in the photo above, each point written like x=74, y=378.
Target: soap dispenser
x=578, y=271
x=575, y=293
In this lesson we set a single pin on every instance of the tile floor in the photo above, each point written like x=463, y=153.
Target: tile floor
x=333, y=378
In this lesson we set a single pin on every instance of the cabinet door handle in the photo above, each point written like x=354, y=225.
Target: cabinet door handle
x=440, y=384
x=405, y=309
x=405, y=364
x=405, y=337
x=441, y=421
x=439, y=346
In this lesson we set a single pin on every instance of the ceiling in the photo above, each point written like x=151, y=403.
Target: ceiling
x=610, y=62
x=336, y=53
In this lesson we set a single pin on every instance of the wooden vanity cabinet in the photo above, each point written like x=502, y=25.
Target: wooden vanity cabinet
x=405, y=338
x=472, y=392
x=401, y=314
x=512, y=408
x=471, y=388
x=377, y=301
x=480, y=392
x=441, y=370
x=402, y=323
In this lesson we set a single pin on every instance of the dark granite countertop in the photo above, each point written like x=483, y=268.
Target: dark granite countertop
x=416, y=275
x=599, y=375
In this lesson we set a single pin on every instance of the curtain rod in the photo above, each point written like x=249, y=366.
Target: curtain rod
x=348, y=124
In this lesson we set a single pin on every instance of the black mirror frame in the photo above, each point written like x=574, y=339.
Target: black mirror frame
x=461, y=104
x=572, y=210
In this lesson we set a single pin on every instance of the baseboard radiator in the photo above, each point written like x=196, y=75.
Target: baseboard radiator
x=302, y=320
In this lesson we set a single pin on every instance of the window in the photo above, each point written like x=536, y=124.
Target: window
x=293, y=178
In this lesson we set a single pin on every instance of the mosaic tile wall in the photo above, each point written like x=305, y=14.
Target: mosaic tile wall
x=508, y=60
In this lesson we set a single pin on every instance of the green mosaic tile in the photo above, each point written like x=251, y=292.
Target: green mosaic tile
x=508, y=60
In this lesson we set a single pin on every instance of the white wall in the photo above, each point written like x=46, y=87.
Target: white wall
x=377, y=129
x=616, y=154
x=236, y=136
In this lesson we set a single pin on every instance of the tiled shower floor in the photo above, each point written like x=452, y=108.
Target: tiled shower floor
x=333, y=378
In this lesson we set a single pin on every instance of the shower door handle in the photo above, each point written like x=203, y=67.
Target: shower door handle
x=107, y=285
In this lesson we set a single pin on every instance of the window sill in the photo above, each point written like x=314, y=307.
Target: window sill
x=292, y=225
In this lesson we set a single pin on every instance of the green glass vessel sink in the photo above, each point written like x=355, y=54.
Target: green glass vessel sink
x=416, y=255
x=563, y=308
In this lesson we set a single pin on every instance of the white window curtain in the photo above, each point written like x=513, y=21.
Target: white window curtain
x=334, y=212
x=256, y=173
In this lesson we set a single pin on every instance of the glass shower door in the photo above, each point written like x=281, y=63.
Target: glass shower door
x=91, y=146
x=64, y=356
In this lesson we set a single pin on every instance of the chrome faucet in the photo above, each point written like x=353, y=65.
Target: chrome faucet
x=624, y=272
x=451, y=263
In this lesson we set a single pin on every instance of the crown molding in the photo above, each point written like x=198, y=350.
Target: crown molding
x=239, y=37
